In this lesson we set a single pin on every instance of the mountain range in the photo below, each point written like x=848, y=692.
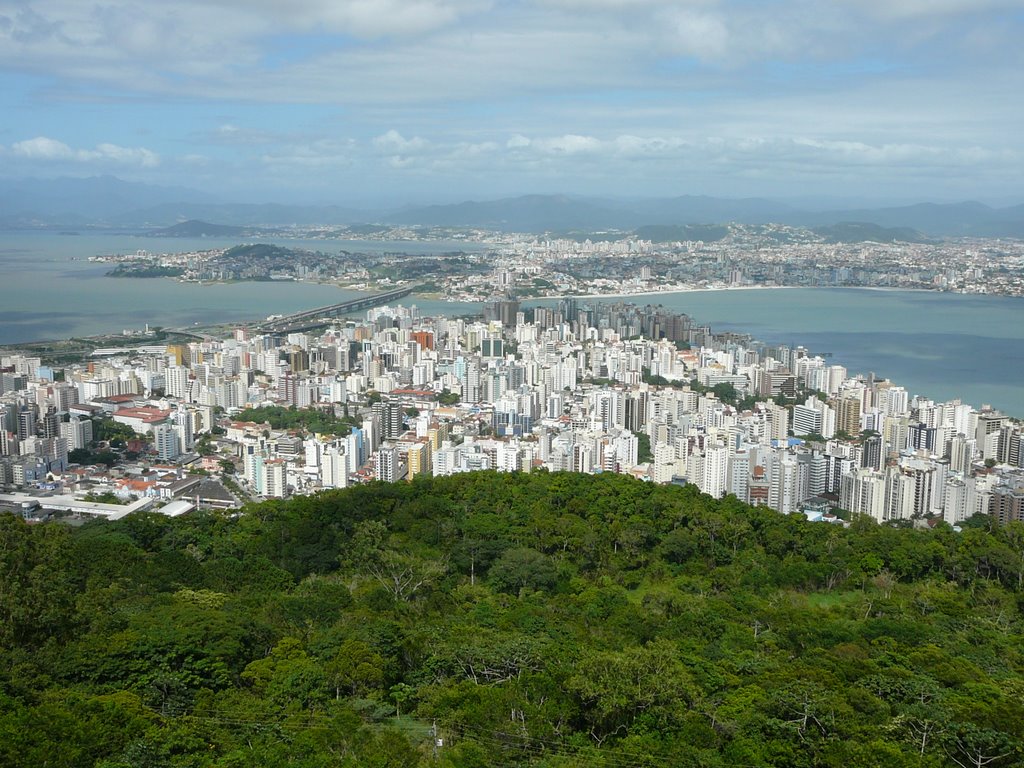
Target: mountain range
x=109, y=202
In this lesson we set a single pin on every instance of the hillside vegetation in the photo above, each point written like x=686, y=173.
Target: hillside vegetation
x=544, y=620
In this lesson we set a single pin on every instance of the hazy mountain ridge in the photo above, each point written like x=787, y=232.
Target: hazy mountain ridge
x=530, y=213
x=196, y=228
x=536, y=213
x=93, y=200
x=859, y=232
x=663, y=233
x=260, y=215
x=108, y=201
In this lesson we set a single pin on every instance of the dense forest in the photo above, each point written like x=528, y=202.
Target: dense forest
x=510, y=619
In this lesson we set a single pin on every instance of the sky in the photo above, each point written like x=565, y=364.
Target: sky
x=388, y=102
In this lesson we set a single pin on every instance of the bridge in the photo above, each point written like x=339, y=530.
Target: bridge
x=321, y=316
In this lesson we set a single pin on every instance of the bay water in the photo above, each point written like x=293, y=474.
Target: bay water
x=941, y=345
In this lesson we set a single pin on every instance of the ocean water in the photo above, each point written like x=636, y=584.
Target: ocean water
x=941, y=345
x=52, y=291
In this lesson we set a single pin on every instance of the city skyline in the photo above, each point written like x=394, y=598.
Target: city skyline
x=386, y=103
x=642, y=391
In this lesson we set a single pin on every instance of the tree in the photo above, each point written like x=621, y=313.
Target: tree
x=617, y=688
x=355, y=668
x=972, y=747
x=401, y=574
x=448, y=398
x=37, y=592
x=643, y=449
x=523, y=568
x=726, y=392
x=288, y=676
x=400, y=693
x=481, y=542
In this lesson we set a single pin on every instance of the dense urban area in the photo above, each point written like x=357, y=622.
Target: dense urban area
x=495, y=265
x=603, y=388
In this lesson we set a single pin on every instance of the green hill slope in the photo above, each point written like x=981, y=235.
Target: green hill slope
x=541, y=620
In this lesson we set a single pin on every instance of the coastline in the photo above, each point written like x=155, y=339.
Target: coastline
x=887, y=334
x=557, y=296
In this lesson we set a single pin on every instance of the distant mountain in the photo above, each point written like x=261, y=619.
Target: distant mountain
x=945, y=219
x=543, y=213
x=530, y=213
x=105, y=201
x=92, y=200
x=255, y=251
x=698, y=209
x=860, y=232
x=243, y=215
x=671, y=233
x=195, y=228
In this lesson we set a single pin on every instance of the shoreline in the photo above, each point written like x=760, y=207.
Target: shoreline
x=481, y=302
x=1005, y=397
x=557, y=296
x=551, y=297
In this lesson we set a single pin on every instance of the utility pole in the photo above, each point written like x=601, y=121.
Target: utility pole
x=438, y=741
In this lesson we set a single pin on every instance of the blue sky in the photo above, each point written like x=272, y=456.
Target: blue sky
x=370, y=102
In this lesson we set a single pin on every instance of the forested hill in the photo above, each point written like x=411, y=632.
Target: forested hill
x=544, y=619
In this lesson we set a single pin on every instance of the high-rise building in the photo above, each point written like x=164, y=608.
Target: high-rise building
x=862, y=492
x=778, y=421
x=49, y=425
x=1010, y=449
x=388, y=416
x=921, y=437
x=988, y=433
x=389, y=467
x=959, y=500
x=848, y=413
x=418, y=457
x=806, y=421
x=334, y=468
x=1006, y=504
x=275, y=475
x=77, y=432
x=26, y=422
x=176, y=382
x=165, y=438
x=871, y=455
x=714, y=470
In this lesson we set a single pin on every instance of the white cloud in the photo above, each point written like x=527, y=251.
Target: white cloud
x=394, y=142
x=42, y=148
x=47, y=149
x=569, y=144
x=656, y=155
x=494, y=89
x=126, y=155
x=431, y=51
